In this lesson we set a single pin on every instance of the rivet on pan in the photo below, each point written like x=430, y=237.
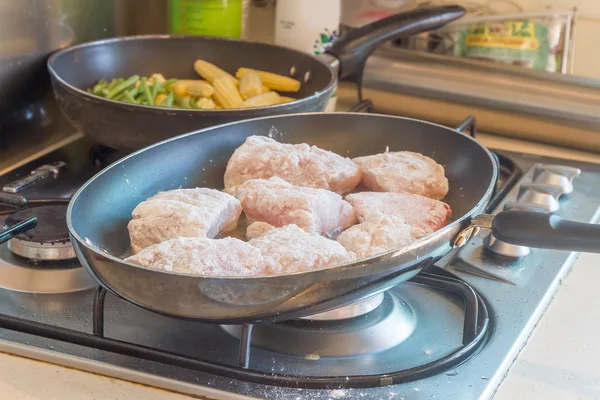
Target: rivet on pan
x=460, y=241
x=292, y=70
x=307, y=76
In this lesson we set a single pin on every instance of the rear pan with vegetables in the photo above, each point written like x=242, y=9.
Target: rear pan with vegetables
x=219, y=90
x=127, y=125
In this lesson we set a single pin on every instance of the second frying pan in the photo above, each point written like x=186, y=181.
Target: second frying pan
x=129, y=127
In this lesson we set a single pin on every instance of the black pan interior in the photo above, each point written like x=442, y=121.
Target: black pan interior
x=101, y=210
x=82, y=66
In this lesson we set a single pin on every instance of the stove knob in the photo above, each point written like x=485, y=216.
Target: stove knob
x=537, y=197
x=556, y=175
x=505, y=249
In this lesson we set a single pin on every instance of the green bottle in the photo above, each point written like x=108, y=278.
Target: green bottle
x=223, y=18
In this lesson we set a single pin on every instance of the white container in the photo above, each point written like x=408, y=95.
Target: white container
x=309, y=26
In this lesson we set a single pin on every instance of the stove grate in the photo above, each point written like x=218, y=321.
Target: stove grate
x=475, y=332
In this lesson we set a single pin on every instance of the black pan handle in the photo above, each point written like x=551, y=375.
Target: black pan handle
x=353, y=49
x=12, y=200
x=17, y=229
x=546, y=231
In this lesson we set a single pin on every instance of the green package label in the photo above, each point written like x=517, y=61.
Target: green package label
x=206, y=17
x=522, y=43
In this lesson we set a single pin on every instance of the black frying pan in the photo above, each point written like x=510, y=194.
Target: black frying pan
x=130, y=127
x=99, y=212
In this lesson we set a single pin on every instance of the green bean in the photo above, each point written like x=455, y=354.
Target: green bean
x=104, y=92
x=128, y=98
x=97, y=89
x=134, y=92
x=147, y=95
x=89, y=90
x=181, y=101
x=156, y=85
x=193, y=103
x=112, y=84
x=169, y=102
x=169, y=82
x=123, y=86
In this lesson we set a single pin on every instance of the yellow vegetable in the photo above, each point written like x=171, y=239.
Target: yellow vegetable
x=194, y=88
x=159, y=78
x=285, y=99
x=210, y=71
x=206, y=104
x=179, y=89
x=226, y=93
x=265, y=89
x=272, y=81
x=265, y=99
x=250, y=85
x=160, y=98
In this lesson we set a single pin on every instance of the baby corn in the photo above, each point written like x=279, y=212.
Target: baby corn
x=193, y=87
x=285, y=99
x=160, y=99
x=250, y=85
x=210, y=72
x=206, y=104
x=262, y=100
x=226, y=93
x=272, y=81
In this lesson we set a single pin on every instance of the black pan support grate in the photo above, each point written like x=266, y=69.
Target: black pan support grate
x=475, y=331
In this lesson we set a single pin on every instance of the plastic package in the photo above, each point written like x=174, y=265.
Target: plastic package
x=538, y=41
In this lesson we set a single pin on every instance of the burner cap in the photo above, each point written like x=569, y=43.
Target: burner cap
x=49, y=240
x=51, y=226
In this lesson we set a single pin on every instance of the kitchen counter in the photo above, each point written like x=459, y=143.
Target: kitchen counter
x=560, y=361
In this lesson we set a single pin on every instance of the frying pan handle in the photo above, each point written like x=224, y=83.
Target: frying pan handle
x=12, y=200
x=353, y=49
x=546, y=231
x=17, y=229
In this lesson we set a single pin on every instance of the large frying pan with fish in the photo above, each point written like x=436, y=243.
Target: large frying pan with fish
x=127, y=126
x=99, y=212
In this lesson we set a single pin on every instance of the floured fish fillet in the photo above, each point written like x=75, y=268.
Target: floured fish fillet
x=182, y=213
x=257, y=229
x=278, y=203
x=299, y=164
x=403, y=171
x=378, y=234
x=422, y=214
x=290, y=249
x=203, y=256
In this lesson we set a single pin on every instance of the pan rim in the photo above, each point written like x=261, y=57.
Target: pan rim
x=183, y=111
x=379, y=258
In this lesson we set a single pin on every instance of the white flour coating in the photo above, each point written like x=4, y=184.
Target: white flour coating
x=403, y=171
x=261, y=157
x=182, y=213
x=203, y=256
x=278, y=203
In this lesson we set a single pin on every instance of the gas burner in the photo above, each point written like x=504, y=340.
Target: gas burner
x=381, y=329
x=23, y=275
x=357, y=309
x=49, y=240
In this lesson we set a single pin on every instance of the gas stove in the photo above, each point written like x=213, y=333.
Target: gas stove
x=450, y=332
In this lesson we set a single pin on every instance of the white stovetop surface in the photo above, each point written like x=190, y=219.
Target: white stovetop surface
x=560, y=362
